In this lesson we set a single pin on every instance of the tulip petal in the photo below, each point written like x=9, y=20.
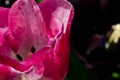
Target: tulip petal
x=27, y=27
x=58, y=12
x=58, y=20
x=62, y=50
x=5, y=48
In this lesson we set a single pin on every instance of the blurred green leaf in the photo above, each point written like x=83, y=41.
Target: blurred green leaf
x=38, y=1
x=77, y=70
x=66, y=79
x=116, y=75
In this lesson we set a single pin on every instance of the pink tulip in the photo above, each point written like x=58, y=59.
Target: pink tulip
x=34, y=40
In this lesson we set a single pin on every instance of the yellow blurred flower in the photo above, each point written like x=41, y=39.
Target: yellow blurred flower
x=114, y=37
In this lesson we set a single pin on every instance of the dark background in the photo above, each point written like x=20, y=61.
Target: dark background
x=94, y=17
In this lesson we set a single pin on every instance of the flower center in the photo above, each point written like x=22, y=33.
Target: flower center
x=20, y=58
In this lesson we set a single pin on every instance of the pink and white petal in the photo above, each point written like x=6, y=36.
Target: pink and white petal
x=31, y=74
x=60, y=9
x=63, y=11
x=27, y=27
x=5, y=48
x=4, y=17
x=9, y=73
